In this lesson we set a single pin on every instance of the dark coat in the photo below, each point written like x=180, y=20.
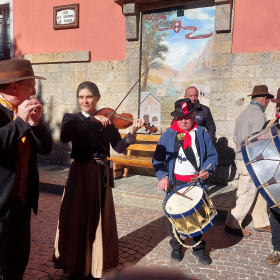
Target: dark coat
x=90, y=140
x=203, y=117
x=40, y=142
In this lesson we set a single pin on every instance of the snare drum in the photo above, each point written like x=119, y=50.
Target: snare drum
x=261, y=154
x=190, y=217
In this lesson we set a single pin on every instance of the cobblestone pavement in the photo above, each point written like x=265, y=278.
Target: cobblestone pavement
x=143, y=242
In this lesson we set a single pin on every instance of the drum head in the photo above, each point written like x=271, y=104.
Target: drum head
x=176, y=205
x=261, y=154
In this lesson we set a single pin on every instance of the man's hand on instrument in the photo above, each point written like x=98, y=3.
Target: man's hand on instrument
x=35, y=115
x=204, y=175
x=26, y=110
x=100, y=119
x=163, y=184
x=137, y=124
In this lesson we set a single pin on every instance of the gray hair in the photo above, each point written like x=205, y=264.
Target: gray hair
x=191, y=87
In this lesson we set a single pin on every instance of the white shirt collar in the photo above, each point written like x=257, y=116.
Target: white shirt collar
x=85, y=114
x=191, y=131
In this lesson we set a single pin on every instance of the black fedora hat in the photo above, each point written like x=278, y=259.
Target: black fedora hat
x=183, y=107
x=14, y=70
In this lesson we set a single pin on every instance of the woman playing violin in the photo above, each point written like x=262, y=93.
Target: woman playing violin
x=86, y=239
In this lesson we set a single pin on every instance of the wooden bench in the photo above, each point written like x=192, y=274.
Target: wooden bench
x=144, y=143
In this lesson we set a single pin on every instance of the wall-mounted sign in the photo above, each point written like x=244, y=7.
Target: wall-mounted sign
x=66, y=16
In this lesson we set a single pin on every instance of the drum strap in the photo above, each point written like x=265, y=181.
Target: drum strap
x=189, y=153
x=271, y=122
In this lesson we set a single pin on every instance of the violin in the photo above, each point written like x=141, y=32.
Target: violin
x=122, y=121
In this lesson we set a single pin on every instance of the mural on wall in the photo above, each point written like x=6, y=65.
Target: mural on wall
x=176, y=53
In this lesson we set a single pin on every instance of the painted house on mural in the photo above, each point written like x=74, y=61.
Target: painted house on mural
x=150, y=108
x=221, y=43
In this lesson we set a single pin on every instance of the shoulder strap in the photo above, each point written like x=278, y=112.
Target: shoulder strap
x=271, y=122
x=189, y=153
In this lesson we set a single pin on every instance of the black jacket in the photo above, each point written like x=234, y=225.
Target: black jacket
x=203, y=117
x=40, y=142
x=90, y=140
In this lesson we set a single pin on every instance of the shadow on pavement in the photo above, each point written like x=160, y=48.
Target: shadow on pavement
x=135, y=245
x=51, y=188
x=216, y=238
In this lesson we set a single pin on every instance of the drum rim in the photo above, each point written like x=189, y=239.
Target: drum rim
x=252, y=173
x=179, y=216
x=271, y=203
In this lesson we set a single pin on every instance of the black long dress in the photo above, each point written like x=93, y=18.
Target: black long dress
x=86, y=239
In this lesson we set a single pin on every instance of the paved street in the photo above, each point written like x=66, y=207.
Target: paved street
x=143, y=242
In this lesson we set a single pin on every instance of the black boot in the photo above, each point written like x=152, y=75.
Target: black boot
x=176, y=255
x=199, y=252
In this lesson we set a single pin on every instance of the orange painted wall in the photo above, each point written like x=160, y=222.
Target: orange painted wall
x=256, y=26
x=101, y=31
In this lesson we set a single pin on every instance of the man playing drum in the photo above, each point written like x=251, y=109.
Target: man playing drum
x=248, y=199
x=183, y=152
x=274, y=217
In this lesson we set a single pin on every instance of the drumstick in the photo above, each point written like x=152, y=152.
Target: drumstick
x=197, y=178
x=181, y=194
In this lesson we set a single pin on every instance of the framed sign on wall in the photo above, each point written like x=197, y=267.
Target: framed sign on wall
x=66, y=16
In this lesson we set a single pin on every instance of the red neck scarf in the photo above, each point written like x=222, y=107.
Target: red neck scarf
x=277, y=115
x=187, y=138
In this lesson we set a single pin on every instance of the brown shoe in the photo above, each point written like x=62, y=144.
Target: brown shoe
x=273, y=258
x=263, y=229
x=238, y=231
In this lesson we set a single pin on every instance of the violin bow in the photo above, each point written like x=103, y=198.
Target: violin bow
x=113, y=113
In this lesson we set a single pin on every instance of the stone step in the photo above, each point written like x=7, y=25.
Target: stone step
x=141, y=191
x=135, y=190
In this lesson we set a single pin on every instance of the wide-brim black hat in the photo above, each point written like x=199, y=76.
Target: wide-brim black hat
x=14, y=70
x=183, y=107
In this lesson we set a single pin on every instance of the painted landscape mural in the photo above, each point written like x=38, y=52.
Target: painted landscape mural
x=176, y=53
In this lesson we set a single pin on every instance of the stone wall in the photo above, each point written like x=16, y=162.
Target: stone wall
x=234, y=76
x=65, y=71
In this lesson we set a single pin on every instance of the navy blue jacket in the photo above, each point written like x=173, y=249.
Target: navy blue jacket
x=164, y=156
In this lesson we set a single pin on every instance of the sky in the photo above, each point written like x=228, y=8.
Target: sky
x=181, y=48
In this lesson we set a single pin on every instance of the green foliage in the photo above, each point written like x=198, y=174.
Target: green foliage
x=153, y=43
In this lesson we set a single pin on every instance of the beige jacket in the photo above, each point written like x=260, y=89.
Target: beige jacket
x=251, y=120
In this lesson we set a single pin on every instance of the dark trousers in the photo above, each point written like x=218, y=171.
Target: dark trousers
x=15, y=241
x=275, y=229
x=173, y=241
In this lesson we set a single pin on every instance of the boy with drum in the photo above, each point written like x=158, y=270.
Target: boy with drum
x=183, y=152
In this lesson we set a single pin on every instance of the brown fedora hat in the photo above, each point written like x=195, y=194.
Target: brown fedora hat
x=277, y=99
x=261, y=90
x=14, y=70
